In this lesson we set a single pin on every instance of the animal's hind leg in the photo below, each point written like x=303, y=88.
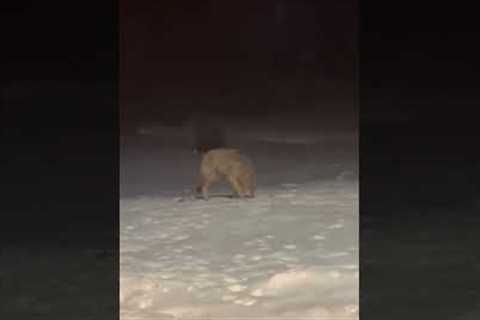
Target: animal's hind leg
x=248, y=189
x=249, y=192
x=236, y=186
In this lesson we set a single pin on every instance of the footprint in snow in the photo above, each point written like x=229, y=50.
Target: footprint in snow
x=237, y=288
x=335, y=226
x=181, y=237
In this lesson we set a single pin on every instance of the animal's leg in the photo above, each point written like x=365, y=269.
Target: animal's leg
x=250, y=189
x=236, y=186
x=247, y=186
x=199, y=185
x=204, y=188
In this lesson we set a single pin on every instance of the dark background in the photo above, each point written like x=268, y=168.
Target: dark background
x=419, y=176
x=233, y=58
x=59, y=113
x=64, y=68
x=59, y=159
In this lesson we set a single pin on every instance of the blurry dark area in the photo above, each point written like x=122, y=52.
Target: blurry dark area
x=207, y=135
x=245, y=59
x=59, y=124
x=419, y=161
x=58, y=159
x=418, y=96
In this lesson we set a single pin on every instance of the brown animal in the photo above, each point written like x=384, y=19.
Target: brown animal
x=228, y=164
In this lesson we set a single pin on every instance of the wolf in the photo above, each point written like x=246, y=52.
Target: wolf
x=230, y=165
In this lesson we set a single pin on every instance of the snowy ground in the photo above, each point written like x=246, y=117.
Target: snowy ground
x=292, y=252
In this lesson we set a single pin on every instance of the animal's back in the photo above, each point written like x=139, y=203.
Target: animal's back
x=226, y=160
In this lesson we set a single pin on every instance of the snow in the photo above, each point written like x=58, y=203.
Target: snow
x=292, y=251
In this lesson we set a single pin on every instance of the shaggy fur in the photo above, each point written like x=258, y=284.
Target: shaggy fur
x=228, y=164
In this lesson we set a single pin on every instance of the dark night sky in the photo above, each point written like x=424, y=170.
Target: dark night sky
x=235, y=28
x=50, y=29
x=227, y=46
x=159, y=42
x=79, y=31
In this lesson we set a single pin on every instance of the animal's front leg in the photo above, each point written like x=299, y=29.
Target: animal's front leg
x=202, y=187
x=204, y=190
x=199, y=185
